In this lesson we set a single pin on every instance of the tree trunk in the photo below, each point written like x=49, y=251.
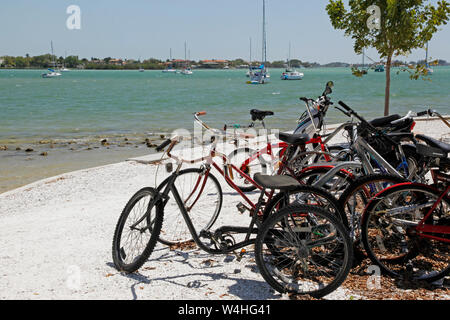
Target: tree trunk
x=388, y=85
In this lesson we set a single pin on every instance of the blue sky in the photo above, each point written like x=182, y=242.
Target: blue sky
x=212, y=29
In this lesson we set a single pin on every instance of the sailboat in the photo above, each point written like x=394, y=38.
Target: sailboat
x=363, y=71
x=289, y=73
x=64, y=69
x=429, y=70
x=251, y=69
x=170, y=68
x=140, y=66
x=261, y=75
x=187, y=70
x=52, y=73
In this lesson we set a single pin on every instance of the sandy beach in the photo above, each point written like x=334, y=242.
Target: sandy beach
x=56, y=237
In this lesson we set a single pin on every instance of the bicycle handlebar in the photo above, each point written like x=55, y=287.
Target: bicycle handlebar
x=351, y=112
x=346, y=107
x=411, y=114
x=217, y=131
x=163, y=145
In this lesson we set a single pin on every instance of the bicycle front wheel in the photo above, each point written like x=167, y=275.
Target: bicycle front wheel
x=304, y=250
x=137, y=231
x=392, y=240
x=202, y=198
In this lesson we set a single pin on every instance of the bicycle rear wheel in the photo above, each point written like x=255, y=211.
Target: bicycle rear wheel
x=303, y=250
x=201, y=194
x=137, y=231
x=391, y=239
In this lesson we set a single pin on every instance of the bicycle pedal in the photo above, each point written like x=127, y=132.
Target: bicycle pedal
x=241, y=207
x=240, y=255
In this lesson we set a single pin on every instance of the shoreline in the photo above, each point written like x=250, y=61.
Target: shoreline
x=48, y=157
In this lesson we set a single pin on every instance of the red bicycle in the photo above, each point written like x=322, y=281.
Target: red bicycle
x=202, y=193
x=406, y=227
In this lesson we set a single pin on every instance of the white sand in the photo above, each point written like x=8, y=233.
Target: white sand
x=56, y=235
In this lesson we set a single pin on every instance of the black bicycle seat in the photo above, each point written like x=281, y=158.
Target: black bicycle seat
x=384, y=121
x=295, y=139
x=259, y=114
x=280, y=182
x=434, y=143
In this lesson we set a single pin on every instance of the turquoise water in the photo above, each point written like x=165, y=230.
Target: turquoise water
x=90, y=104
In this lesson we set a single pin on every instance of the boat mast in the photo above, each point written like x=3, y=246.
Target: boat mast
x=250, y=51
x=264, y=46
x=426, y=56
x=363, y=58
x=289, y=57
x=53, y=58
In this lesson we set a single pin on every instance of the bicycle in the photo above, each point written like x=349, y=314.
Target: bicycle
x=199, y=189
x=406, y=227
x=301, y=249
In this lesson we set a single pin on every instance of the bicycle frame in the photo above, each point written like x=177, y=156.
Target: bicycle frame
x=424, y=228
x=171, y=188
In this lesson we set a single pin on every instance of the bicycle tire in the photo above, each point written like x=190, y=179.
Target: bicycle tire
x=118, y=251
x=174, y=229
x=409, y=251
x=279, y=225
x=333, y=204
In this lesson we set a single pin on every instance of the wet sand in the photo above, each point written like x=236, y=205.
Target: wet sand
x=21, y=164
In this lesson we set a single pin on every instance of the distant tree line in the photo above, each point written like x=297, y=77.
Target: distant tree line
x=48, y=61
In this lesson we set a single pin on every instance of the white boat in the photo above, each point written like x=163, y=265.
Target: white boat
x=64, y=69
x=186, y=70
x=261, y=75
x=140, y=66
x=291, y=74
x=52, y=73
x=169, y=68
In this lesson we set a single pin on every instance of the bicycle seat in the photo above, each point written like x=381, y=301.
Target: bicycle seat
x=398, y=136
x=434, y=143
x=383, y=121
x=260, y=115
x=280, y=182
x=295, y=139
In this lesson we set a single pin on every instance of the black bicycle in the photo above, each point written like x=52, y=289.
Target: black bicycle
x=300, y=249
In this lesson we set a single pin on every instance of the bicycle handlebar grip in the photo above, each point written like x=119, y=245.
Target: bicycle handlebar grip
x=304, y=99
x=163, y=145
x=422, y=113
x=343, y=105
x=201, y=113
